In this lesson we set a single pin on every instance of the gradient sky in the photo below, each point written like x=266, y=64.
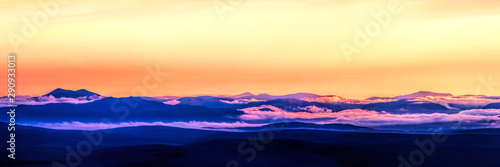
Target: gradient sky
x=276, y=47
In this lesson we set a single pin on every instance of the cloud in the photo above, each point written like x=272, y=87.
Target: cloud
x=470, y=101
x=315, y=109
x=265, y=114
x=27, y=100
x=479, y=118
x=337, y=99
x=241, y=101
x=369, y=118
x=481, y=112
x=172, y=102
x=269, y=112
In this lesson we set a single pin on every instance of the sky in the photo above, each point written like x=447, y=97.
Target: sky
x=276, y=47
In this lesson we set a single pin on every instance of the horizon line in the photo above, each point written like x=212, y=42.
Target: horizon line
x=228, y=95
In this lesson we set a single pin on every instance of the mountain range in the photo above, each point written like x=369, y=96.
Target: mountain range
x=299, y=129
x=83, y=106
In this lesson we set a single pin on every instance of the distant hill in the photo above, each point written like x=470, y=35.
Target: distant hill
x=492, y=106
x=265, y=96
x=246, y=94
x=422, y=94
x=126, y=109
x=58, y=93
x=413, y=95
x=405, y=106
x=206, y=101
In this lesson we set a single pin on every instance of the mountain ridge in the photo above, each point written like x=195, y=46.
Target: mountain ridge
x=59, y=92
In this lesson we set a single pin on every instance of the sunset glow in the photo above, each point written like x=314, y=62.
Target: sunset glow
x=276, y=47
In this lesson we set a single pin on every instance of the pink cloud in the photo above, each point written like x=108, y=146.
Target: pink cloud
x=172, y=102
x=335, y=99
x=241, y=101
x=315, y=109
x=369, y=118
x=473, y=101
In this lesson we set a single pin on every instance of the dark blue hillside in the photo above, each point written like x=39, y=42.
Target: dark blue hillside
x=300, y=125
x=405, y=106
x=119, y=110
x=111, y=137
x=167, y=146
x=207, y=101
x=40, y=146
x=492, y=106
x=58, y=93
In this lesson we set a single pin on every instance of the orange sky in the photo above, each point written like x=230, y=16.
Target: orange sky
x=276, y=47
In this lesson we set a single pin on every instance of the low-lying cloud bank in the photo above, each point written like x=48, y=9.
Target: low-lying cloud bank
x=359, y=117
x=476, y=118
x=27, y=100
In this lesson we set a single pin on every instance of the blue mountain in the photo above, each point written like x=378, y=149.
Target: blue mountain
x=265, y=96
x=492, y=106
x=421, y=94
x=246, y=94
x=169, y=146
x=128, y=109
x=58, y=93
x=206, y=101
x=405, y=106
x=412, y=96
